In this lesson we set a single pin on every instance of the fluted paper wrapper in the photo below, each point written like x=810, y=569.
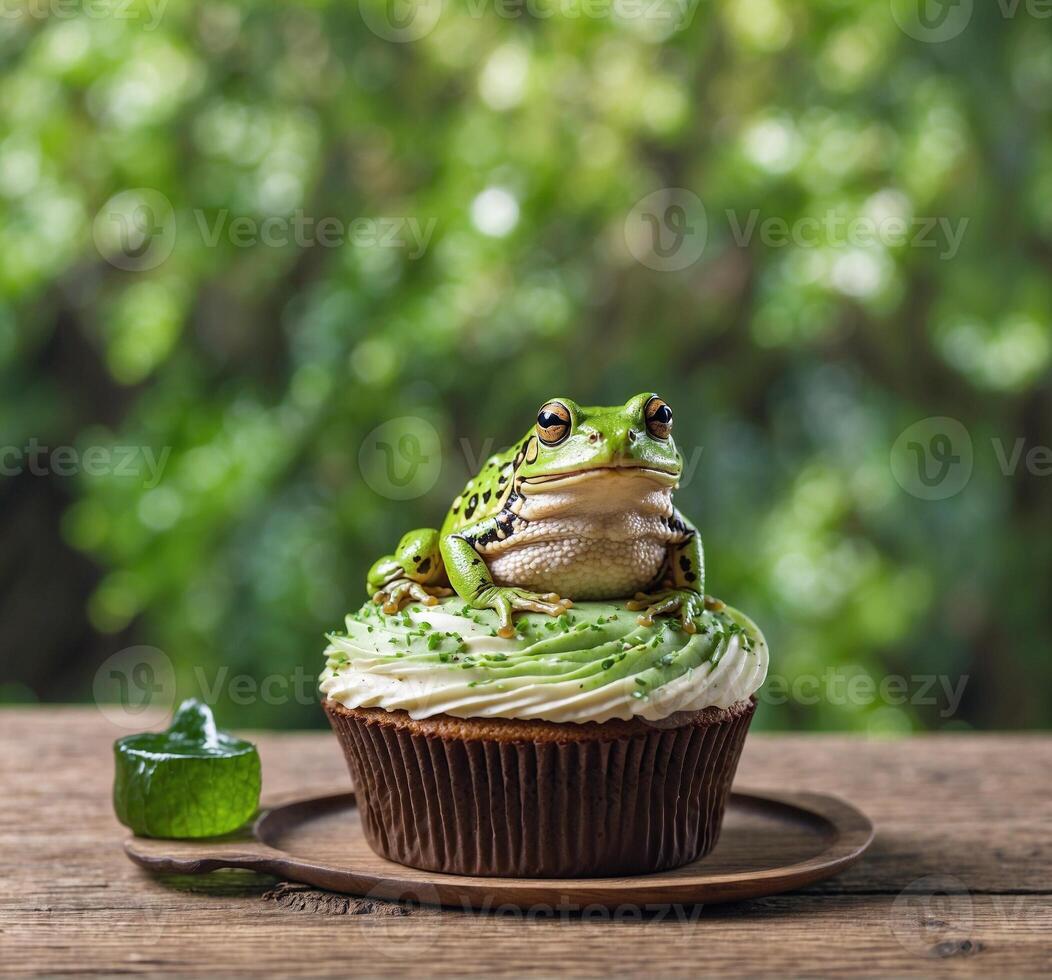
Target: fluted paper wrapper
x=539, y=800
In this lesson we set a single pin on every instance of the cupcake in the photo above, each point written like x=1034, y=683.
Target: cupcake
x=585, y=746
x=540, y=688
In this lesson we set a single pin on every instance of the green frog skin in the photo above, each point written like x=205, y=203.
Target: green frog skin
x=579, y=508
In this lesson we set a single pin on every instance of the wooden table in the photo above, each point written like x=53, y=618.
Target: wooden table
x=958, y=881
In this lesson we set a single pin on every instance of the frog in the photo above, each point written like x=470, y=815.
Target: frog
x=580, y=508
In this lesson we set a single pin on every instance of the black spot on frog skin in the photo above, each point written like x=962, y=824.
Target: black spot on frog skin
x=691, y=577
x=486, y=496
x=476, y=561
x=676, y=525
x=684, y=563
x=425, y=566
x=504, y=525
x=472, y=504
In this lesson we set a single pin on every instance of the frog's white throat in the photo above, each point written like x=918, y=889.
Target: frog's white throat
x=608, y=496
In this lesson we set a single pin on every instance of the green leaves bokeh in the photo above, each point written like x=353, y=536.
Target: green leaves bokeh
x=524, y=142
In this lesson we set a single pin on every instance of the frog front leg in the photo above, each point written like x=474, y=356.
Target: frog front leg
x=414, y=571
x=683, y=579
x=470, y=576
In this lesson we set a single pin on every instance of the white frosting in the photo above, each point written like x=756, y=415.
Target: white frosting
x=565, y=675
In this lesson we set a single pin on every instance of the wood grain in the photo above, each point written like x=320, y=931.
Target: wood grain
x=958, y=881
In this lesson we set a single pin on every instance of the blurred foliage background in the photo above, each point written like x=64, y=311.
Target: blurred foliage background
x=523, y=137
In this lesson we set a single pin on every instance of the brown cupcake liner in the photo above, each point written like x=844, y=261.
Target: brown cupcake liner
x=540, y=800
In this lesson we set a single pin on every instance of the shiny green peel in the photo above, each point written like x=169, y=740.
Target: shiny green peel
x=189, y=781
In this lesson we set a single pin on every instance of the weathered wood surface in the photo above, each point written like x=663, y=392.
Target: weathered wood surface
x=959, y=879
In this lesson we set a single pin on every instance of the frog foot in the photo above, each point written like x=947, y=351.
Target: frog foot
x=506, y=601
x=686, y=602
x=399, y=591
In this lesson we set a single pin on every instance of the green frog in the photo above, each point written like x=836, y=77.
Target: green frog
x=579, y=508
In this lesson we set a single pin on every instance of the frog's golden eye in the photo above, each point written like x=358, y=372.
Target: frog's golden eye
x=553, y=423
x=658, y=417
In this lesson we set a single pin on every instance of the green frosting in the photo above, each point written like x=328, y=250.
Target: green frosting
x=449, y=658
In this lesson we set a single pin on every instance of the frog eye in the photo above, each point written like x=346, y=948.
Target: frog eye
x=553, y=423
x=658, y=417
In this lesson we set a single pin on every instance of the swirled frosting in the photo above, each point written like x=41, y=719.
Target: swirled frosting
x=594, y=663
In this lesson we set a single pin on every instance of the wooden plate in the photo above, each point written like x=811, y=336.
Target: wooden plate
x=770, y=843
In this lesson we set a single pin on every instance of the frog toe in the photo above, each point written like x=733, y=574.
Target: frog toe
x=665, y=602
x=397, y=593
